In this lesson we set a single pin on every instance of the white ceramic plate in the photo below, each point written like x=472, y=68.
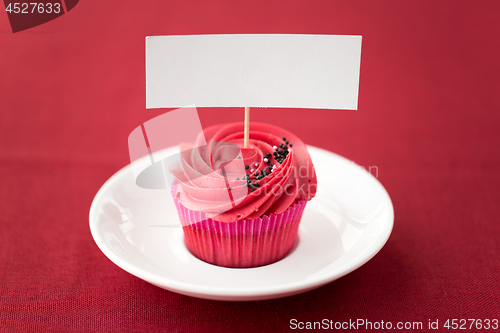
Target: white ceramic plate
x=343, y=227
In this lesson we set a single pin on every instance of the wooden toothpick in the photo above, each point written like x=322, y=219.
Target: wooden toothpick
x=247, y=127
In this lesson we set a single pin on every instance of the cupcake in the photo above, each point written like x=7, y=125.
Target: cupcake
x=241, y=207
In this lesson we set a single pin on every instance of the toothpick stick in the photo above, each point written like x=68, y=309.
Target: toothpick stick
x=247, y=127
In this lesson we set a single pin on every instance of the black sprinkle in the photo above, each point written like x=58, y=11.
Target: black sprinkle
x=284, y=139
x=257, y=184
x=242, y=183
x=239, y=157
x=247, y=167
x=229, y=188
x=249, y=181
x=256, y=174
x=286, y=142
x=290, y=144
x=237, y=178
x=275, y=154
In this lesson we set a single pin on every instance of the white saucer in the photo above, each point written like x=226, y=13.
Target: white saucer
x=343, y=227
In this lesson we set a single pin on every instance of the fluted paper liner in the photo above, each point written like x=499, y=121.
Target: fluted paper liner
x=244, y=243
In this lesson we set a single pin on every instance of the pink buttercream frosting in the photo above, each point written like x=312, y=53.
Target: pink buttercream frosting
x=212, y=179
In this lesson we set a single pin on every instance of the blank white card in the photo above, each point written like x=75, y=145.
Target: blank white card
x=271, y=70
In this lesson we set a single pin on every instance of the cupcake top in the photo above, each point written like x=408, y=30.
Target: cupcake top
x=228, y=182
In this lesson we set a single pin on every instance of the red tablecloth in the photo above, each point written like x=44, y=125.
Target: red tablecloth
x=72, y=90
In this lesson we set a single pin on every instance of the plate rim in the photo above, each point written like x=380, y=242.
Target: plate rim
x=254, y=293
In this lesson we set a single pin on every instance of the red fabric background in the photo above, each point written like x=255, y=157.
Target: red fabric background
x=72, y=90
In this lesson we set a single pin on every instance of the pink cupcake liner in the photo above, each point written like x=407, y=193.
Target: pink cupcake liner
x=244, y=243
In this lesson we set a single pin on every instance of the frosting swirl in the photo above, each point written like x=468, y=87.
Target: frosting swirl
x=228, y=182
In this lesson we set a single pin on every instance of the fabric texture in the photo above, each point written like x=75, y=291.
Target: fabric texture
x=72, y=90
